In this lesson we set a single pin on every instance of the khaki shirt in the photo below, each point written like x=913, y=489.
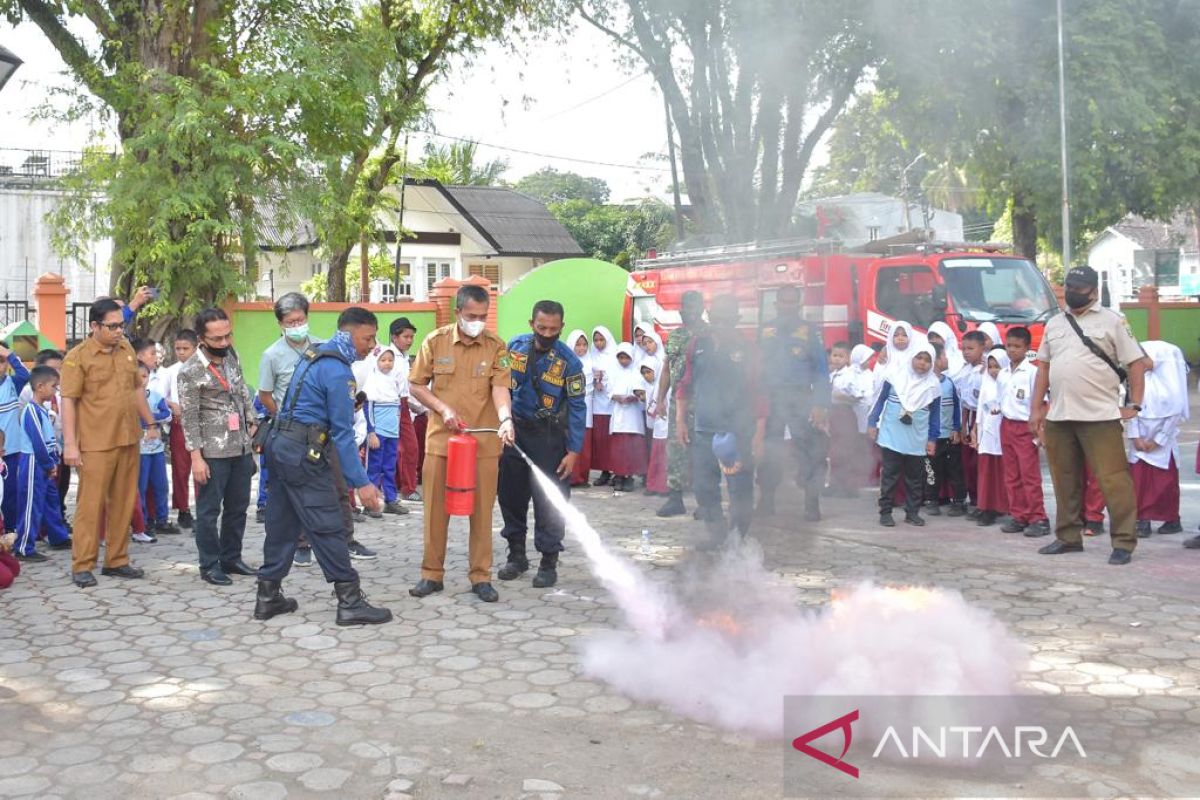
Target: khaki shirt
x=463, y=372
x=105, y=389
x=1082, y=387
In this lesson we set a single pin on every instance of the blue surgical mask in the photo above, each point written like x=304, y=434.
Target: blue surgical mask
x=298, y=333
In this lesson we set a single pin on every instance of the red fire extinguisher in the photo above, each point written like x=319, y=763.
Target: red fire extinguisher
x=460, y=474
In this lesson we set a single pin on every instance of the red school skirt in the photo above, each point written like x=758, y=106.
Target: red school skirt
x=583, y=464
x=1157, y=491
x=601, y=443
x=656, y=472
x=993, y=495
x=627, y=453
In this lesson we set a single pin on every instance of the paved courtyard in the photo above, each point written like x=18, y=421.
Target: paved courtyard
x=167, y=688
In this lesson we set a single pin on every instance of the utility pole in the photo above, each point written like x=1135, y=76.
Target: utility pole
x=400, y=223
x=674, y=172
x=1062, y=136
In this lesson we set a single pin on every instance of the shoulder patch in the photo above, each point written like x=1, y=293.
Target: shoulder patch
x=575, y=386
x=505, y=361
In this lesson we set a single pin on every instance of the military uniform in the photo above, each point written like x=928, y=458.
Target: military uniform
x=549, y=410
x=796, y=374
x=719, y=386
x=678, y=463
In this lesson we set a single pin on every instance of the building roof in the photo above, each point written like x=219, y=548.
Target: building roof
x=514, y=224
x=1179, y=233
x=283, y=228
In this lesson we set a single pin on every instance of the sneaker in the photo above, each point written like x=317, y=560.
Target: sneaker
x=394, y=507
x=185, y=519
x=914, y=519
x=65, y=545
x=1012, y=526
x=957, y=510
x=34, y=556
x=260, y=515
x=1120, y=557
x=985, y=518
x=934, y=509
x=374, y=513
x=886, y=520
x=303, y=557
x=357, y=550
x=165, y=528
x=1039, y=528
x=1167, y=527
x=145, y=538
x=413, y=497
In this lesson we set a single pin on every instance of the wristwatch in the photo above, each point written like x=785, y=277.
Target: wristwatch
x=1135, y=407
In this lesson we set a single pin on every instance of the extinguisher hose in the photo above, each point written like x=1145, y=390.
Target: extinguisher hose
x=497, y=430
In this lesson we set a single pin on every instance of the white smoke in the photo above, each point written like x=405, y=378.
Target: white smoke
x=726, y=643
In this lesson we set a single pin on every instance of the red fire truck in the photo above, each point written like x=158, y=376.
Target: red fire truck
x=856, y=296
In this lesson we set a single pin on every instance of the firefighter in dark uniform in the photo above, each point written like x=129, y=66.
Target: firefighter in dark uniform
x=796, y=374
x=720, y=388
x=311, y=437
x=550, y=414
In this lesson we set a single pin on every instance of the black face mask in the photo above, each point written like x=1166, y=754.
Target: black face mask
x=1077, y=300
x=219, y=352
x=544, y=343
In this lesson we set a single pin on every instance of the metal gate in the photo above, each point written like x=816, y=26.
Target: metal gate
x=13, y=311
x=77, y=323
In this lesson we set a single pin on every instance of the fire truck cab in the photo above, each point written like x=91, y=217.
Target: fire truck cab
x=855, y=296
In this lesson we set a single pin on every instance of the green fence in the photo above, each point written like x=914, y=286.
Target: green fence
x=255, y=328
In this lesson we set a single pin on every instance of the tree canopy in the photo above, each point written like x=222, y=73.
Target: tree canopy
x=551, y=186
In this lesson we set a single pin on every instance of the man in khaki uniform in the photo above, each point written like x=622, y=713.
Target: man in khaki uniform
x=469, y=370
x=101, y=404
x=1084, y=416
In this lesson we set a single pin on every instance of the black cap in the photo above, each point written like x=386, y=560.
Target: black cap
x=1082, y=276
x=400, y=325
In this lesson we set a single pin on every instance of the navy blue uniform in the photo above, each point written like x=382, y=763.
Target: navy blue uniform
x=311, y=455
x=549, y=417
x=796, y=373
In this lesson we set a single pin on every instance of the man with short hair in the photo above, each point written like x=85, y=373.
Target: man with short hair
x=181, y=460
x=218, y=426
x=402, y=332
x=469, y=370
x=311, y=439
x=550, y=414
x=1078, y=363
x=691, y=313
x=101, y=404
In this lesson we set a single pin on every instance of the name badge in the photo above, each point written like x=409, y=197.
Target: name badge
x=235, y=422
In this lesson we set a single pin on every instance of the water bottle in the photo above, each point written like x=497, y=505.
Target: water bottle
x=645, y=541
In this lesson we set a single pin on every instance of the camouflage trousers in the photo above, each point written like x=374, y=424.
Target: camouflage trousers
x=679, y=459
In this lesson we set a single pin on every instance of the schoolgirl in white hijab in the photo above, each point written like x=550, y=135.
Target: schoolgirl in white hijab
x=580, y=344
x=954, y=355
x=1154, y=439
x=603, y=364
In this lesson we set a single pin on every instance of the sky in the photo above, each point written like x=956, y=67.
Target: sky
x=565, y=99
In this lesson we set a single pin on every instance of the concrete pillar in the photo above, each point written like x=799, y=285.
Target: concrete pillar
x=1148, y=296
x=442, y=296
x=50, y=297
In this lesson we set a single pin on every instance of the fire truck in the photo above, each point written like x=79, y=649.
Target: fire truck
x=855, y=296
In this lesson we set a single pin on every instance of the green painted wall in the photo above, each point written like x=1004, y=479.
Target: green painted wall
x=592, y=293
x=1139, y=321
x=254, y=331
x=1181, y=327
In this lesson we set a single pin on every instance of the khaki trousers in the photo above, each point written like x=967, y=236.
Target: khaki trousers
x=437, y=521
x=1101, y=445
x=107, y=480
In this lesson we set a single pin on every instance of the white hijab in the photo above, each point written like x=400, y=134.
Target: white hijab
x=989, y=389
x=573, y=337
x=899, y=361
x=914, y=389
x=623, y=380
x=990, y=330
x=1166, y=384
x=658, y=353
x=639, y=352
x=603, y=359
x=382, y=387
x=953, y=354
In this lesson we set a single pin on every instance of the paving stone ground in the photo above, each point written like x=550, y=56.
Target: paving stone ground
x=167, y=688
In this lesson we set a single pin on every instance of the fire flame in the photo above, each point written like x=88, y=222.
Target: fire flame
x=720, y=621
x=899, y=598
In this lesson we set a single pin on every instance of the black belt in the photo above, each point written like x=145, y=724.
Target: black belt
x=535, y=424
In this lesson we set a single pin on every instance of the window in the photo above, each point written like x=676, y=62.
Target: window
x=435, y=271
x=906, y=293
x=998, y=289
x=489, y=271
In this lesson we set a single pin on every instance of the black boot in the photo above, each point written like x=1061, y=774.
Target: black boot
x=271, y=602
x=517, y=564
x=353, y=608
x=812, y=505
x=673, y=507
x=547, y=574
x=604, y=479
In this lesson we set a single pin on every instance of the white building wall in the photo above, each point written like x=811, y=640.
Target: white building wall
x=279, y=273
x=26, y=249
x=1112, y=253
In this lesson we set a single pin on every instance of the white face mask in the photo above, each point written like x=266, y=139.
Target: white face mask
x=471, y=329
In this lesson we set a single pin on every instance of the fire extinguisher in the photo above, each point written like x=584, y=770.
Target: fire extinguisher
x=460, y=474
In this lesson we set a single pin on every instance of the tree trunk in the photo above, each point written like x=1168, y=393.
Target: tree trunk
x=335, y=284
x=1024, y=226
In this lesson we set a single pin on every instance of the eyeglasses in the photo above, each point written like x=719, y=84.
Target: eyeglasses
x=111, y=327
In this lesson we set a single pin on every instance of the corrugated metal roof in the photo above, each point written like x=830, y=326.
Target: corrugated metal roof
x=515, y=223
x=283, y=228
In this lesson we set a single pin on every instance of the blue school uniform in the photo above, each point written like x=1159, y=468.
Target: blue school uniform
x=383, y=419
x=36, y=492
x=10, y=423
x=909, y=440
x=950, y=418
x=153, y=468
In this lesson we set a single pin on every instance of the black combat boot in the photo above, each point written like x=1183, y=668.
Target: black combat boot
x=673, y=507
x=517, y=564
x=271, y=602
x=353, y=608
x=547, y=574
x=812, y=505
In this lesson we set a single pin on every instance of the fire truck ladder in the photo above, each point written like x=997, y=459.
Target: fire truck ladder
x=746, y=251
